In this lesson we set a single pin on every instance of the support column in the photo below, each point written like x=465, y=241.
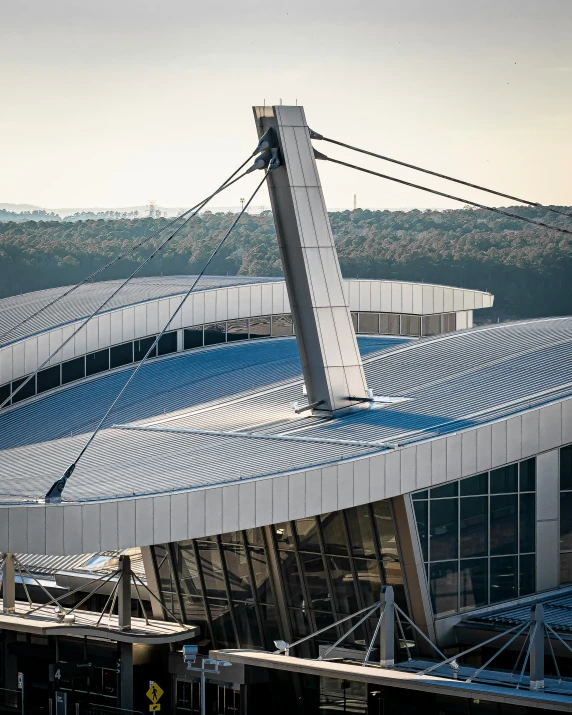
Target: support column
x=537, y=647
x=8, y=585
x=331, y=361
x=126, y=676
x=387, y=630
x=124, y=593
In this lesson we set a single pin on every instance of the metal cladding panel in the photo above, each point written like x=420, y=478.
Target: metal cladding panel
x=375, y=295
x=263, y=501
x=91, y=522
x=213, y=511
x=547, y=485
x=417, y=298
x=256, y=300
x=278, y=290
x=469, y=453
x=424, y=464
x=454, y=453
x=5, y=527
x=72, y=518
x=530, y=427
x=126, y=523
x=439, y=461
x=210, y=306
x=313, y=497
x=230, y=508
x=396, y=299
x=128, y=318
x=18, y=533
x=362, y=482
x=428, y=302
x=567, y=422
x=458, y=299
x=244, y=302
x=365, y=296
x=385, y=289
x=408, y=470
x=310, y=262
x=280, y=487
x=448, y=300
x=105, y=330
x=162, y=519
x=550, y=427
x=547, y=536
x=477, y=299
x=197, y=514
x=141, y=320
x=498, y=444
x=377, y=477
x=484, y=448
x=247, y=505
x=198, y=309
x=56, y=341
x=174, y=304
x=514, y=438
x=109, y=525
x=438, y=299
x=144, y=522
x=462, y=322
x=329, y=489
x=406, y=297
x=6, y=364
x=116, y=329
x=345, y=485
x=221, y=297
x=296, y=495
x=55, y=532
x=37, y=529
x=152, y=311
x=178, y=512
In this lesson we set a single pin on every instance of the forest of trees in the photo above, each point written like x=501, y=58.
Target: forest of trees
x=528, y=268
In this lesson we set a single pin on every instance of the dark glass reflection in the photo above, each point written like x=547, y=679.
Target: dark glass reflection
x=215, y=333
x=73, y=370
x=527, y=522
x=566, y=468
x=504, y=578
x=47, y=379
x=121, y=355
x=237, y=329
x=473, y=527
x=443, y=529
x=504, y=524
x=422, y=517
x=505, y=479
x=566, y=521
x=307, y=530
x=385, y=529
x=472, y=486
x=259, y=327
x=333, y=529
x=360, y=531
x=445, y=490
x=473, y=583
x=282, y=325
x=527, y=475
x=193, y=337
x=527, y=577
x=443, y=581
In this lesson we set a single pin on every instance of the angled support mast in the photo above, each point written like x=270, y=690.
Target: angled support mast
x=331, y=361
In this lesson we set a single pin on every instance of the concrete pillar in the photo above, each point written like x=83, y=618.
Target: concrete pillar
x=8, y=584
x=387, y=630
x=124, y=593
x=537, y=647
x=126, y=676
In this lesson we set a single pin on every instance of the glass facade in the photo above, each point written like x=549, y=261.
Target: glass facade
x=477, y=536
x=566, y=515
x=198, y=336
x=249, y=588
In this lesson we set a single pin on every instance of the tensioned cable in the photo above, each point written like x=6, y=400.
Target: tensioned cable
x=122, y=285
x=112, y=262
x=447, y=196
x=315, y=135
x=60, y=484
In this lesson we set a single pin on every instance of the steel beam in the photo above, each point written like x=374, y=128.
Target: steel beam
x=329, y=354
x=124, y=593
x=387, y=630
x=537, y=647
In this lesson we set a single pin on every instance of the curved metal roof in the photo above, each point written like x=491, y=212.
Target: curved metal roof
x=83, y=301
x=176, y=426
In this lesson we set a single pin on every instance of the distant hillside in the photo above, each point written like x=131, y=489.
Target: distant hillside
x=527, y=268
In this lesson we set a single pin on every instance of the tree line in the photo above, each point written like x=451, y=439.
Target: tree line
x=528, y=268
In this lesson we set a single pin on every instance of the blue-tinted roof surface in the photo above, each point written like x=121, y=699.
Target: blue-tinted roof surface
x=171, y=429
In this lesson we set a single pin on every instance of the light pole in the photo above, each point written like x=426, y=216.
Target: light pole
x=208, y=665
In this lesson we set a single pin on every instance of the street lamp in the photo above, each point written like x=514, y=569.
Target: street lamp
x=208, y=665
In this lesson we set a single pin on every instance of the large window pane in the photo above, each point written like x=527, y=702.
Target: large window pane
x=385, y=530
x=46, y=379
x=431, y=324
x=527, y=475
x=504, y=479
x=566, y=521
x=212, y=569
x=238, y=573
x=97, y=362
x=445, y=490
x=262, y=584
x=140, y=348
x=566, y=467
x=527, y=520
x=473, y=527
x=247, y=625
x=237, y=330
x=422, y=518
x=260, y=327
x=284, y=535
x=472, y=486
x=291, y=578
x=281, y=325
x=369, y=581
x=473, y=583
x=566, y=568
x=504, y=573
x=334, y=533
x=443, y=583
x=215, y=333
x=368, y=323
x=29, y=389
x=389, y=324
x=343, y=584
x=410, y=325
x=167, y=343
x=193, y=337
x=443, y=522
x=121, y=355
x=527, y=578
x=73, y=370
x=361, y=531
x=307, y=530
x=504, y=524
x=316, y=581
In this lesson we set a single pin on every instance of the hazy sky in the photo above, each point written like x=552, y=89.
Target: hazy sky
x=112, y=102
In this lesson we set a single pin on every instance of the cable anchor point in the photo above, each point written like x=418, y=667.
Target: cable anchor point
x=54, y=495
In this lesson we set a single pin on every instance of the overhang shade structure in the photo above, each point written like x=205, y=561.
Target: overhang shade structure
x=331, y=362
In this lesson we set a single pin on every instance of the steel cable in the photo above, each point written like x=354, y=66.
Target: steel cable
x=447, y=196
x=315, y=135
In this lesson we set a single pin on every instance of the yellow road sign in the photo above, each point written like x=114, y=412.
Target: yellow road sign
x=154, y=693
x=154, y=707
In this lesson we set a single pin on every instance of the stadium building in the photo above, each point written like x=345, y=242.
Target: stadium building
x=296, y=453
